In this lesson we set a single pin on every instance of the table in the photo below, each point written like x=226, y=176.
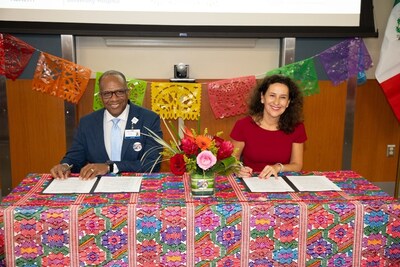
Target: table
x=164, y=226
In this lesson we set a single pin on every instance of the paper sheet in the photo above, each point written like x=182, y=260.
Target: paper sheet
x=313, y=183
x=116, y=184
x=69, y=185
x=271, y=184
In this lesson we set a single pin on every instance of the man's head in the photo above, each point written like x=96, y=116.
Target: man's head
x=114, y=91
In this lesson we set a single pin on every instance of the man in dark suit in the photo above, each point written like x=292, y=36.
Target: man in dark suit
x=94, y=150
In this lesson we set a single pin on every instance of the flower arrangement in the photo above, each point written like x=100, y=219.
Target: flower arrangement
x=198, y=153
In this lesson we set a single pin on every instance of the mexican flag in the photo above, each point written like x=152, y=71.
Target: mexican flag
x=388, y=70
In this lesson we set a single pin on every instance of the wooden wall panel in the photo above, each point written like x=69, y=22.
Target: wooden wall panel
x=324, y=115
x=37, y=130
x=85, y=104
x=375, y=126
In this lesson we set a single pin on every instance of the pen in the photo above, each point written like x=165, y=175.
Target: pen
x=248, y=169
x=68, y=166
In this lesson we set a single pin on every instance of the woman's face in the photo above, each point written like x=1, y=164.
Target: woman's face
x=275, y=100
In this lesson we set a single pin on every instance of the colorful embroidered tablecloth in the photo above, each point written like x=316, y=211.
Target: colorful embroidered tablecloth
x=164, y=226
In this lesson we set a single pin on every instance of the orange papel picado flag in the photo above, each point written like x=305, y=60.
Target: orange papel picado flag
x=59, y=77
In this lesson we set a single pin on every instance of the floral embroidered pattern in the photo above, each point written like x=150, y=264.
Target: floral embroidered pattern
x=163, y=228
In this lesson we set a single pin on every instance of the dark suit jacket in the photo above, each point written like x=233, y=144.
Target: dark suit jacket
x=88, y=144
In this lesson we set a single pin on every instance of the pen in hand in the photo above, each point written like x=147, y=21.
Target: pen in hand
x=61, y=171
x=249, y=171
x=67, y=170
x=245, y=171
x=68, y=167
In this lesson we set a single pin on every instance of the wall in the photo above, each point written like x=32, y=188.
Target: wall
x=158, y=62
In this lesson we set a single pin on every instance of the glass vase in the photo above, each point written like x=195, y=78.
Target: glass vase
x=202, y=185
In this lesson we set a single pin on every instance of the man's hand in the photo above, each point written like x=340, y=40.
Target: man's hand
x=61, y=171
x=92, y=170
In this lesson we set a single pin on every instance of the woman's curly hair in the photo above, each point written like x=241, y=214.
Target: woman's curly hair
x=293, y=113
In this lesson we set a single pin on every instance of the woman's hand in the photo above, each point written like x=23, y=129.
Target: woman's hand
x=269, y=171
x=245, y=172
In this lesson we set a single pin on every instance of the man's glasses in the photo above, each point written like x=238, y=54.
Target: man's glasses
x=118, y=93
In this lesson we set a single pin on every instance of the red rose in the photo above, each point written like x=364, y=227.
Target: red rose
x=225, y=150
x=177, y=164
x=189, y=146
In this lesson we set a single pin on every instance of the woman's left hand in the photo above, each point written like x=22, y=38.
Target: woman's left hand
x=269, y=171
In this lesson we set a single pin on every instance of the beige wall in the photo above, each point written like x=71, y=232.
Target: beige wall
x=158, y=62
x=205, y=62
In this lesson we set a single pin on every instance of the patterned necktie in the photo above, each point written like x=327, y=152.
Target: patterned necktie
x=116, y=141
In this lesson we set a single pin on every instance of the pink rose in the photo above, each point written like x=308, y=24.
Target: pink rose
x=206, y=160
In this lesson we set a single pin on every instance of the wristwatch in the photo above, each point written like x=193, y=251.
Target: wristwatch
x=110, y=165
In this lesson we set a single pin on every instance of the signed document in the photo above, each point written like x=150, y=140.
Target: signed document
x=313, y=183
x=69, y=185
x=104, y=184
x=271, y=184
x=119, y=184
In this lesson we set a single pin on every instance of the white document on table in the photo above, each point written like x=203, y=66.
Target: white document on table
x=69, y=185
x=119, y=184
x=272, y=184
x=313, y=183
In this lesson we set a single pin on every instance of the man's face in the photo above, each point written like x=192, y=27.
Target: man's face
x=114, y=94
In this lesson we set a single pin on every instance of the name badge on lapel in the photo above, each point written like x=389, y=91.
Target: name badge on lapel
x=132, y=134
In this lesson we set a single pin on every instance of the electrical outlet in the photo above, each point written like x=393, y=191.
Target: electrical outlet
x=390, y=150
